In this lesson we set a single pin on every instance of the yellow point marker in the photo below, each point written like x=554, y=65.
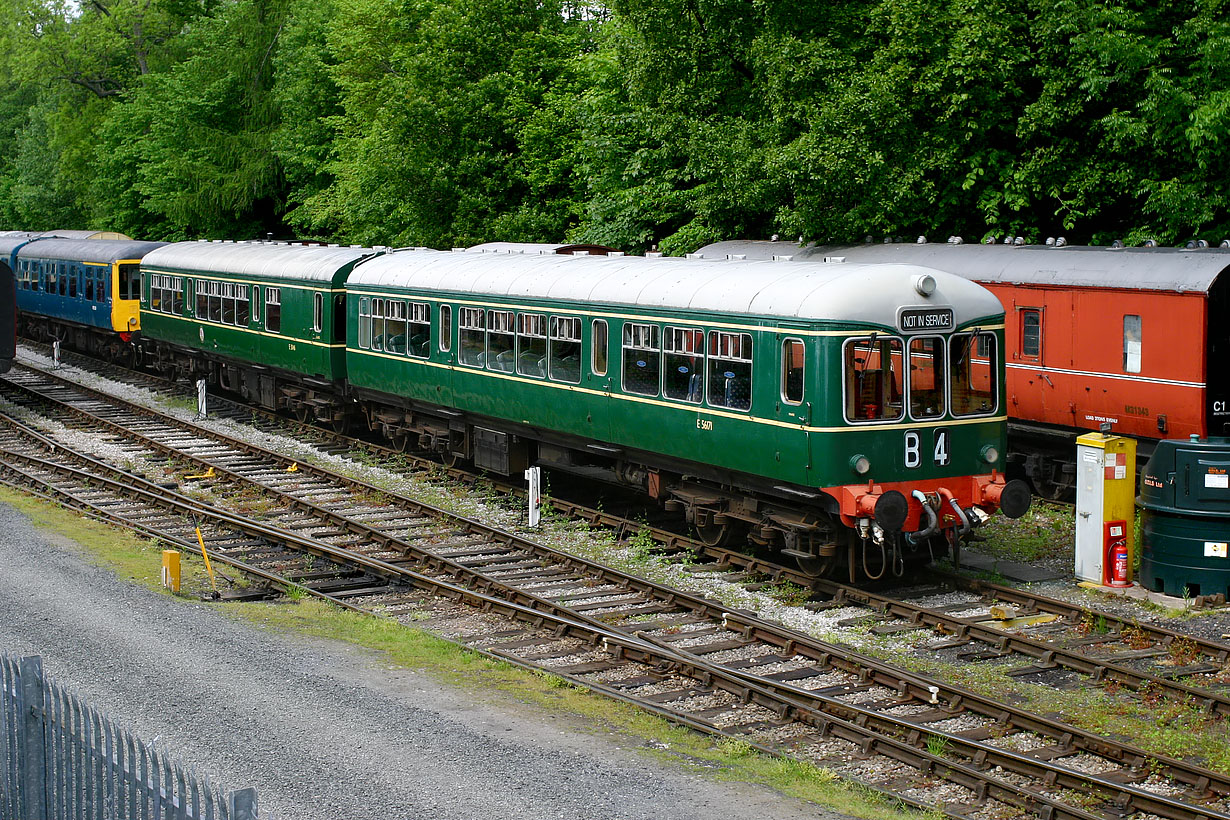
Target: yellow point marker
x=293, y=468
x=207, y=474
x=208, y=568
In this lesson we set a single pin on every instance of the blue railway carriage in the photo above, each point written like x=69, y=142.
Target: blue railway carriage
x=83, y=292
x=262, y=319
x=848, y=415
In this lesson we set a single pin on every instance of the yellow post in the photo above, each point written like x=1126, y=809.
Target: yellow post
x=170, y=570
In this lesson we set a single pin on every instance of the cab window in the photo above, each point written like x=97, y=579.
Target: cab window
x=974, y=386
x=927, y=377
x=874, y=379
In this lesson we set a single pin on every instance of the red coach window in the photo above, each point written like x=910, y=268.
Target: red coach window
x=1031, y=333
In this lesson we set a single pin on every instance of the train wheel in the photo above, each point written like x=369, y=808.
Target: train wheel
x=303, y=413
x=399, y=442
x=715, y=535
x=815, y=566
x=341, y=425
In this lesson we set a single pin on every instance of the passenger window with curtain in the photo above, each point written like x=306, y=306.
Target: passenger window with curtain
x=418, y=330
x=1031, y=333
x=730, y=370
x=532, y=344
x=471, y=336
x=794, y=359
x=642, y=359
x=564, y=352
x=600, y=341
x=501, y=341
x=683, y=364
x=1131, y=343
x=874, y=380
x=973, y=381
x=926, y=372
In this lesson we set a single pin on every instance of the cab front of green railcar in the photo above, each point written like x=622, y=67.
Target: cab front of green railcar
x=921, y=431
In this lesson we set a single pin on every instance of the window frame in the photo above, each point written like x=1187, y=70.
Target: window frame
x=787, y=341
x=711, y=357
x=1037, y=313
x=846, y=381
x=1138, y=341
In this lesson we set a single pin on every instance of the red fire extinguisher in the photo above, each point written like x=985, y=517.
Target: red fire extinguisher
x=1116, y=571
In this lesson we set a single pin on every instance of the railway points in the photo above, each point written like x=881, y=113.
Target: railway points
x=512, y=562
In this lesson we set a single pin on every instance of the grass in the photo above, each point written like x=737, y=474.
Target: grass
x=1045, y=533
x=139, y=560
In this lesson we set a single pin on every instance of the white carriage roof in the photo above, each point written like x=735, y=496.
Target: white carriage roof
x=1173, y=269
x=835, y=292
x=270, y=260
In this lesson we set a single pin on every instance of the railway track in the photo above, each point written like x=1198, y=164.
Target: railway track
x=942, y=731
x=1083, y=640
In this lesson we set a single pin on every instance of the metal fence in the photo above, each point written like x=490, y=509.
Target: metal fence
x=62, y=760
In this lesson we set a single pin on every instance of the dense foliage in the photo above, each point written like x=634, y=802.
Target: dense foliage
x=639, y=123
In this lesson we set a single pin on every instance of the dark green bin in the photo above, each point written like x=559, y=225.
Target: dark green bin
x=1185, y=517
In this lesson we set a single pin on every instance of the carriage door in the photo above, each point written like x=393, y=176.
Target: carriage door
x=795, y=395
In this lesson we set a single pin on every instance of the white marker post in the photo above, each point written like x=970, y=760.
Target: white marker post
x=55, y=355
x=534, y=476
x=200, y=398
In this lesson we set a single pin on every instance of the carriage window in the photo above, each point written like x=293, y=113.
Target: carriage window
x=378, y=325
x=155, y=292
x=446, y=328
x=1131, y=343
x=873, y=379
x=564, y=357
x=318, y=311
x=62, y=272
x=974, y=385
x=273, y=309
x=730, y=370
x=471, y=336
x=500, y=341
x=1031, y=333
x=394, y=326
x=242, y=303
x=642, y=357
x=365, y=323
x=418, y=330
x=927, y=377
x=71, y=275
x=228, y=302
x=532, y=344
x=600, y=343
x=683, y=364
x=793, y=359
x=202, y=299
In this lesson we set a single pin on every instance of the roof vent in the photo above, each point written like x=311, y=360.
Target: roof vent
x=867, y=240
x=786, y=258
x=1050, y=241
x=1061, y=242
x=1117, y=244
x=990, y=240
x=616, y=253
x=924, y=284
x=736, y=257
x=580, y=253
x=1020, y=240
x=834, y=260
x=459, y=250
x=1150, y=243
x=1225, y=243
x=922, y=240
x=334, y=245
x=654, y=255
x=696, y=256
x=773, y=238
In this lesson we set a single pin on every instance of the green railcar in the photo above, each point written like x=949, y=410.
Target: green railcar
x=266, y=320
x=821, y=408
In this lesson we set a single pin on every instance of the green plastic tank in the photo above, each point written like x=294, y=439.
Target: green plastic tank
x=1185, y=517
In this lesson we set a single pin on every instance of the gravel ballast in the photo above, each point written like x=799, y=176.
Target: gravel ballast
x=323, y=729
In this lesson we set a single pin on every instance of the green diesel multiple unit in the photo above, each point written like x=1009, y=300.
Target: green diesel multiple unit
x=845, y=414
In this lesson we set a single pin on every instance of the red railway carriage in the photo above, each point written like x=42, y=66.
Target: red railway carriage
x=1137, y=337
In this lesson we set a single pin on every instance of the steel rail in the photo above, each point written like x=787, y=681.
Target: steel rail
x=872, y=731
x=915, y=685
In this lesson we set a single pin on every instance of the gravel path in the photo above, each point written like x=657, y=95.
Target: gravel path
x=323, y=729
